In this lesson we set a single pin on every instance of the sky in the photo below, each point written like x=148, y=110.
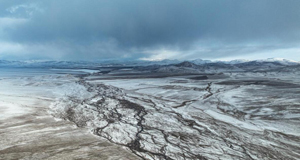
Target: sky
x=149, y=29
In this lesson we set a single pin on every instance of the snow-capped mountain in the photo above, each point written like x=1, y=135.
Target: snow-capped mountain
x=271, y=62
x=277, y=60
x=236, y=61
x=200, y=61
x=280, y=60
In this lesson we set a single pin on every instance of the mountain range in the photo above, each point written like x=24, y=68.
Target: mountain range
x=103, y=63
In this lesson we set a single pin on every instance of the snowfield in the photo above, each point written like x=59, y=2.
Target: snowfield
x=182, y=118
x=245, y=112
x=28, y=131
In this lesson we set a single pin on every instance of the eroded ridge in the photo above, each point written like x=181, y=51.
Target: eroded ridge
x=153, y=129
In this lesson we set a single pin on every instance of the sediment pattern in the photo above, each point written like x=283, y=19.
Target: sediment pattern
x=158, y=127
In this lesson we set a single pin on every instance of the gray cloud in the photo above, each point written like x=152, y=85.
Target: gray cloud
x=139, y=29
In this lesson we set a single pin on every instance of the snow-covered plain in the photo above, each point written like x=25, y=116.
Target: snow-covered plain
x=155, y=114
x=242, y=115
x=29, y=131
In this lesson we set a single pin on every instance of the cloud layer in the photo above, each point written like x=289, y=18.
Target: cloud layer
x=140, y=29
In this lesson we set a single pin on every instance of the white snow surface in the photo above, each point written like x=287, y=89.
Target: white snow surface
x=243, y=115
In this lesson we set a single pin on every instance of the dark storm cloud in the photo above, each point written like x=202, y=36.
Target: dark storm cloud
x=110, y=29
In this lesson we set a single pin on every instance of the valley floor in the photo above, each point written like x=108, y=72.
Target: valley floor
x=28, y=131
x=118, y=116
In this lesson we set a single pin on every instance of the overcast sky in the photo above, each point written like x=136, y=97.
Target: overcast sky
x=151, y=30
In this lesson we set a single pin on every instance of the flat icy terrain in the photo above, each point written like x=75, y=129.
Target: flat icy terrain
x=28, y=131
x=124, y=113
